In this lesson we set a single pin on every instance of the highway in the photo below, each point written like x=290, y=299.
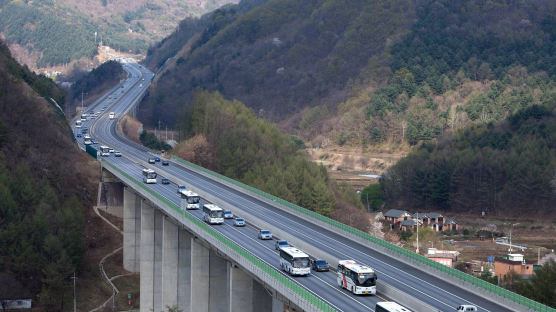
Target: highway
x=436, y=292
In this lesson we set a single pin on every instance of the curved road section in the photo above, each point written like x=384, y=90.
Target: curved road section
x=432, y=290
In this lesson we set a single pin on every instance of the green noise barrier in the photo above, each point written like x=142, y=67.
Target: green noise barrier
x=300, y=291
x=502, y=292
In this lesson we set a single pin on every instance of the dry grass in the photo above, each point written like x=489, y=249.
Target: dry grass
x=130, y=127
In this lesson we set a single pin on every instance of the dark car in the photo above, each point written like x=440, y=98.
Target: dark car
x=94, y=141
x=84, y=130
x=320, y=265
x=151, y=160
x=165, y=162
x=165, y=181
x=157, y=159
x=78, y=134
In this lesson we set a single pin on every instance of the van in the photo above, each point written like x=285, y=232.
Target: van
x=466, y=308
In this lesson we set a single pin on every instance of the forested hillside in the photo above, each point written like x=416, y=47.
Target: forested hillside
x=282, y=56
x=367, y=73
x=227, y=137
x=462, y=63
x=505, y=169
x=42, y=189
x=57, y=32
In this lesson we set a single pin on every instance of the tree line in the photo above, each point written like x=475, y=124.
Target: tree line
x=508, y=168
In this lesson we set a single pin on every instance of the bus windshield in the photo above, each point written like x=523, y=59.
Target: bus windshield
x=300, y=262
x=365, y=279
x=217, y=214
x=193, y=199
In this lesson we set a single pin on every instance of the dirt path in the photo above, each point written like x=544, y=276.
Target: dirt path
x=109, y=280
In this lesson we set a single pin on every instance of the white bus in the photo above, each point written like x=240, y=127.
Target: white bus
x=213, y=214
x=104, y=150
x=149, y=176
x=78, y=123
x=357, y=278
x=390, y=306
x=189, y=200
x=294, y=261
x=111, y=115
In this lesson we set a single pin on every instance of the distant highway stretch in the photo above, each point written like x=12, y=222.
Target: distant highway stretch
x=434, y=291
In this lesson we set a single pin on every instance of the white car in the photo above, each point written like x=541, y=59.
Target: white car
x=87, y=142
x=265, y=234
x=239, y=222
x=111, y=150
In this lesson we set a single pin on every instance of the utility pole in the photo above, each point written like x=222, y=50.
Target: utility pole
x=511, y=235
x=417, y=221
x=74, y=298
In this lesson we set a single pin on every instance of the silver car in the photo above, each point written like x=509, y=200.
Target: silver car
x=239, y=222
x=265, y=234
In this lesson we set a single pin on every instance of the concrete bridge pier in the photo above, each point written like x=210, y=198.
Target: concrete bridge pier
x=179, y=270
x=132, y=230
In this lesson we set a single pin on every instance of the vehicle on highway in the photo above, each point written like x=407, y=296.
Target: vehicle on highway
x=390, y=306
x=165, y=162
x=281, y=244
x=112, y=115
x=265, y=234
x=86, y=137
x=94, y=141
x=357, y=278
x=117, y=154
x=84, y=130
x=213, y=214
x=157, y=159
x=83, y=117
x=78, y=123
x=149, y=176
x=111, y=150
x=295, y=261
x=78, y=134
x=181, y=188
x=151, y=160
x=320, y=265
x=87, y=142
x=165, y=181
x=466, y=308
x=228, y=214
x=190, y=200
x=239, y=222
x=104, y=151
